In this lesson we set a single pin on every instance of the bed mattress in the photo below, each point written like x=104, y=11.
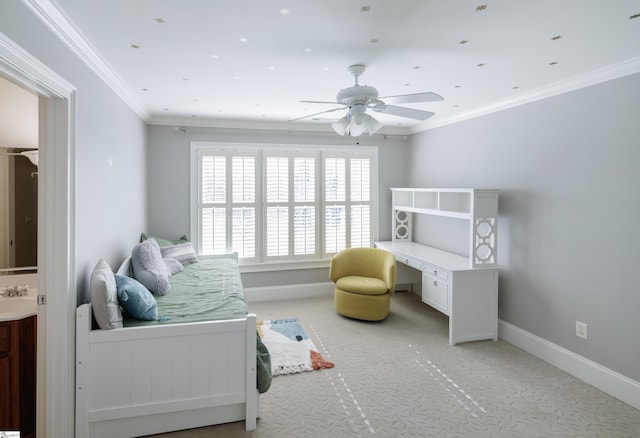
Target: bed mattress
x=208, y=290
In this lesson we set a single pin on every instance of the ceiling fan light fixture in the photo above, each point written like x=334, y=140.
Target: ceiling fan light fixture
x=341, y=126
x=356, y=124
x=372, y=125
x=357, y=127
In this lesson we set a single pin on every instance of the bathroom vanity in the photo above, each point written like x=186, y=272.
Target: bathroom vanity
x=18, y=329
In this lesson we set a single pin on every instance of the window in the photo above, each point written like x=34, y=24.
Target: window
x=273, y=204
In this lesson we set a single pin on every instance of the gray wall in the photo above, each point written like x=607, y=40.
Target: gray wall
x=169, y=154
x=110, y=149
x=567, y=169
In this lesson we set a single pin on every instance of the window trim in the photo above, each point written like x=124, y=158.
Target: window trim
x=300, y=262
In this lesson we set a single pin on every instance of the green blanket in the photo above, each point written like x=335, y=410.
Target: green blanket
x=207, y=291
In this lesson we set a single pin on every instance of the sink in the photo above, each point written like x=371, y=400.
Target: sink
x=18, y=307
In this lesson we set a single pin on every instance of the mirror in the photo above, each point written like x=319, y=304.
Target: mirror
x=18, y=179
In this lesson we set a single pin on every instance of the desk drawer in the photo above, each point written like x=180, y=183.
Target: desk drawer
x=417, y=264
x=435, y=272
x=435, y=292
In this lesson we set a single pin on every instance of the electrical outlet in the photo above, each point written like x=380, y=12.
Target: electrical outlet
x=581, y=330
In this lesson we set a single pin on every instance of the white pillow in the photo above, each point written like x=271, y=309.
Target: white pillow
x=104, y=297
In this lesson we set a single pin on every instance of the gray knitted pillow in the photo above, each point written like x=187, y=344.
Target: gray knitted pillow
x=149, y=268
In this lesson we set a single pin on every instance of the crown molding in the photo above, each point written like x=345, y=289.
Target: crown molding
x=594, y=77
x=52, y=16
x=203, y=122
x=24, y=69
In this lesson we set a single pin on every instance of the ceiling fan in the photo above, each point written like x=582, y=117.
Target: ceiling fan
x=358, y=98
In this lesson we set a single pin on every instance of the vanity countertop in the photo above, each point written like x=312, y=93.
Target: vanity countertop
x=18, y=307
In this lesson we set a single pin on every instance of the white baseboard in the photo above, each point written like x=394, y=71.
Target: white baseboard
x=609, y=381
x=288, y=292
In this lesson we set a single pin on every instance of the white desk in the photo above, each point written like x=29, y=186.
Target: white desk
x=469, y=296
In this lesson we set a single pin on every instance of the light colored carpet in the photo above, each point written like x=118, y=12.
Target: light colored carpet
x=400, y=378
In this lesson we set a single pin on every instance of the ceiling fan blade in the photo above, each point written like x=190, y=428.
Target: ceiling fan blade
x=414, y=98
x=318, y=101
x=317, y=114
x=401, y=111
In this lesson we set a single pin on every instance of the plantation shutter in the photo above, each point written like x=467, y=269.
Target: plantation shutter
x=335, y=204
x=360, y=202
x=243, y=220
x=212, y=202
x=304, y=216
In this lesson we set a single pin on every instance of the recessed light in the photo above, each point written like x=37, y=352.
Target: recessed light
x=407, y=84
x=308, y=50
x=135, y=46
x=374, y=40
x=159, y=20
x=284, y=12
x=271, y=67
x=553, y=63
x=463, y=42
x=481, y=7
x=244, y=40
x=556, y=38
x=365, y=8
x=416, y=67
x=145, y=89
x=236, y=77
x=480, y=65
x=515, y=88
x=215, y=56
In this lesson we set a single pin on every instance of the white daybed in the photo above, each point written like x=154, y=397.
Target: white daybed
x=144, y=380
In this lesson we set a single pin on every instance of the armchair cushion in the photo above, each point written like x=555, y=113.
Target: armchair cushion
x=363, y=285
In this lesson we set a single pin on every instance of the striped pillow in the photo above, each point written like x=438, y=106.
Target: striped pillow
x=183, y=252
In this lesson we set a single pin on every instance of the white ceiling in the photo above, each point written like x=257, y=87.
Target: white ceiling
x=249, y=62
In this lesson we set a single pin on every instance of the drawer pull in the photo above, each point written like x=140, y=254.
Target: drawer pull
x=435, y=272
x=435, y=283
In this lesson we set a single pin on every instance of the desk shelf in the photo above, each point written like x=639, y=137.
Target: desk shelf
x=479, y=207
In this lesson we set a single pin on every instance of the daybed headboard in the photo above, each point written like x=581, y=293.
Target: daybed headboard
x=125, y=268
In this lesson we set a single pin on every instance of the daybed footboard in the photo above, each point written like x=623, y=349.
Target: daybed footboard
x=144, y=380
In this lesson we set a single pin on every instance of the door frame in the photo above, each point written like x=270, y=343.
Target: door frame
x=57, y=280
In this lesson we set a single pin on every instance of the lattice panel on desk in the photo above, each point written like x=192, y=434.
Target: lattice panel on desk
x=485, y=241
x=402, y=225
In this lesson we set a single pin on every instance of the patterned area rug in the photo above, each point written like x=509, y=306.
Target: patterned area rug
x=290, y=347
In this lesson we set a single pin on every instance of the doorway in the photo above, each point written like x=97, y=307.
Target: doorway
x=56, y=242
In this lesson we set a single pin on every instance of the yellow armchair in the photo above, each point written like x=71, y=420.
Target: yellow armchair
x=365, y=279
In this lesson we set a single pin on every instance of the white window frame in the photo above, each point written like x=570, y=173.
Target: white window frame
x=320, y=259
